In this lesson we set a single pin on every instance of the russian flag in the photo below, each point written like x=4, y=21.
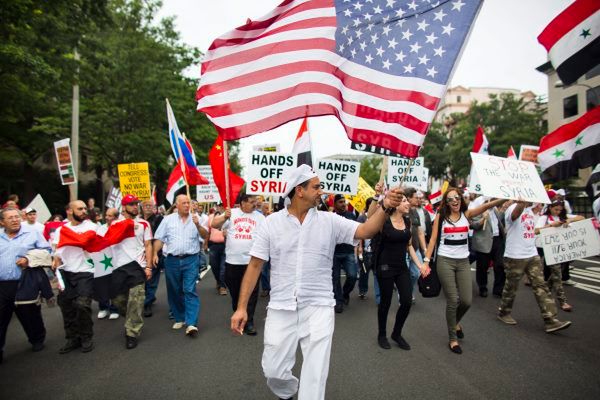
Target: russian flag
x=183, y=152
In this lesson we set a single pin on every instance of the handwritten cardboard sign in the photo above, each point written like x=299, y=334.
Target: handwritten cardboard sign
x=507, y=179
x=578, y=240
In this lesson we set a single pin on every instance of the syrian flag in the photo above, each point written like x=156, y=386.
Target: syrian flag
x=98, y=251
x=572, y=40
x=302, y=145
x=572, y=146
x=480, y=144
x=175, y=184
x=436, y=197
x=511, y=154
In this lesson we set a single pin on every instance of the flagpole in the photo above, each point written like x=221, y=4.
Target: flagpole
x=181, y=164
x=226, y=167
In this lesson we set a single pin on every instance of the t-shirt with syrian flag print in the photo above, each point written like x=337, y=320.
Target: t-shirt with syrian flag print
x=82, y=249
x=240, y=228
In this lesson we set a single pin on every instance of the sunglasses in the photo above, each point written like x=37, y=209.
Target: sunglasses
x=453, y=198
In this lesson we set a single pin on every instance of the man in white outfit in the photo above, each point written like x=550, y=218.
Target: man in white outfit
x=300, y=242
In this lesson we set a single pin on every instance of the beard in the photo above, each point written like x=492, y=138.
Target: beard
x=79, y=218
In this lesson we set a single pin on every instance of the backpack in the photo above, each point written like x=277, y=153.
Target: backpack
x=431, y=286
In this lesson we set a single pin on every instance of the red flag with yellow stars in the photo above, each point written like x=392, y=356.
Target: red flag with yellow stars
x=215, y=157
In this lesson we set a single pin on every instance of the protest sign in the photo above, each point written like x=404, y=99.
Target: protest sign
x=267, y=171
x=267, y=147
x=369, y=148
x=62, y=148
x=40, y=207
x=135, y=179
x=207, y=193
x=414, y=177
x=365, y=191
x=508, y=179
x=114, y=198
x=474, y=186
x=338, y=177
x=529, y=153
x=577, y=240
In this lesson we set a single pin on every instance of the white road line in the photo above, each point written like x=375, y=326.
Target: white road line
x=589, y=288
x=597, y=269
x=588, y=261
x=204, y=272
x=587, y=278
x=585, y=272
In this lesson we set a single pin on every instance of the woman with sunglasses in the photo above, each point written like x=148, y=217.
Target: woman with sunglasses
x=450, y=236
x=555, y=216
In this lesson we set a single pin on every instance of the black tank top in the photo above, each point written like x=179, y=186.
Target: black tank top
x=393, y=245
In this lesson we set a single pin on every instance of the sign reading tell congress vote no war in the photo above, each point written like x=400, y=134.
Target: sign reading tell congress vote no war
x=578, y=240
x=507, y=179
x=135, y=179
x=338, y=177
x=414, y=177
x=267, y=171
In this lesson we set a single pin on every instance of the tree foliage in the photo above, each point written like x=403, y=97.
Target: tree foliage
x=370, y=169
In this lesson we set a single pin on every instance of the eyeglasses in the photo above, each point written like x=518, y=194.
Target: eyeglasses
x=453, y=198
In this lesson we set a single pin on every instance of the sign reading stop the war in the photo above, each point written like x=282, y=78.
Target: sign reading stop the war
x=414, y=176
x=338, y=177
x=267, y=171
x=577, y=240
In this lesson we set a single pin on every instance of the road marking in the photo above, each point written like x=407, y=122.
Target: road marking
x=586, y=277
x=589, y=261
x=589, y=288
x=594, y=269
x=203, y=273
x=593, y=274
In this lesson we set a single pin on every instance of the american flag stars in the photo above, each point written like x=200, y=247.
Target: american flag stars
x=401, y=37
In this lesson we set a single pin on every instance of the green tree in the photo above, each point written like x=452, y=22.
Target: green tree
x=370, y=169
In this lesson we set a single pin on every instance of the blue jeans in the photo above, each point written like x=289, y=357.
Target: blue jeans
x=347, y=262
x=202, y=261
x=414, y=270
x=107, y=305
x=363, y=277
x=216, y=254
x=152, y=283
x=181, y=275
x=265, y=276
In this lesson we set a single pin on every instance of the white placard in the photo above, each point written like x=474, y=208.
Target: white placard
x=508, y=179
x=414, y=177
x=338, y=177
x=474, y=186
x=578, y=240
x=424, y=183
x=39, y=205
x=207, y=193
x=267, y=171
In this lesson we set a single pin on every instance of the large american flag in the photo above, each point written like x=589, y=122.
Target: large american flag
x=380, y=66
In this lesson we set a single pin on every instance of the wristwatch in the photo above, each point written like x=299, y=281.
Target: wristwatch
x=426, y=259
x=388, y=210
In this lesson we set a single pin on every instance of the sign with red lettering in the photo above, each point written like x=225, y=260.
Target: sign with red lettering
x=267, y=170
x=505, y=178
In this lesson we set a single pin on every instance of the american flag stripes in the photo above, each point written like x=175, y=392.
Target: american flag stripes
x=380, y=66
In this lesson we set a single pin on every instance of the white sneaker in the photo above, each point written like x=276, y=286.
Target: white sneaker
x=191, y=330
x=103, y=314
x=113, y=315
x=569, y=282
x=178, y=325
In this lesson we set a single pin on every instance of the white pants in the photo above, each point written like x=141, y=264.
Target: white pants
x=312, y=326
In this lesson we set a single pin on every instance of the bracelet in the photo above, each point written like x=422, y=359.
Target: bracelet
x=426, y=259
x=389, y=210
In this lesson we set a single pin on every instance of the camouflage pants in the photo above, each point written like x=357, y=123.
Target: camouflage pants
x=131, y=306
x=515, y=268
x=555, y=282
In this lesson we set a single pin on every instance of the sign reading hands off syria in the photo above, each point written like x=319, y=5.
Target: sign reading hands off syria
x=508, y=179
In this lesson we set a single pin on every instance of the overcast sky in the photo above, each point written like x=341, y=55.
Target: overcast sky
x=502, y=51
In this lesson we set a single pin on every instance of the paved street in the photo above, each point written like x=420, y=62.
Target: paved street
x=499, y=361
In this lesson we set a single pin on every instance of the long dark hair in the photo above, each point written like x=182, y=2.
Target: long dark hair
x=444, y=209
x=563, y=213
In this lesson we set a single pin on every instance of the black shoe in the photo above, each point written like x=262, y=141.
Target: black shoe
x=456, y=349
x=87, y=345
x=403, y=344
x=250, y=330
x=383, y=343
x=498, y=295
x=346, y=299
x=147, y=310
x=483, y=292
x=71, y=345
x=339, y=308
x=130, y=342
x=37, y=347
x=460, y=334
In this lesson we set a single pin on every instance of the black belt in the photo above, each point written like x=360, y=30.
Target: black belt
x=452, y=242
x=181, y=256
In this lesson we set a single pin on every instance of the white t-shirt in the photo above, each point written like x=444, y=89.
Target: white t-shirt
x=73, y=258
x=203, y=221
x=596, y=208
x=133, y=249
x=520, y=234
x=240, y=228
x=302, y=256
x=36, y=226
x=454, y=238
x=544, y=220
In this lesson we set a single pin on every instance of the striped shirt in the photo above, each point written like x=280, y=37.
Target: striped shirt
x=180, y=237
x=454, y=241
x=11, y=249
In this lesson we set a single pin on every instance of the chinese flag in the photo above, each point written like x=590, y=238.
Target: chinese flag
x=215, y=157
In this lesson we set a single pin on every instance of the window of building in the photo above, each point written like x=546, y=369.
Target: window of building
x=593, y=72
x=570, y=106
x=458, y=99
x=592, y=98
